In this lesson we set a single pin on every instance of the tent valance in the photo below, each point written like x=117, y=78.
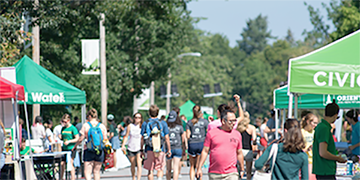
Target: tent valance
x=314, y=101
x=43, y=87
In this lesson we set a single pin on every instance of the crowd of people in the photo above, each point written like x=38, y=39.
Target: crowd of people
x=305, y=147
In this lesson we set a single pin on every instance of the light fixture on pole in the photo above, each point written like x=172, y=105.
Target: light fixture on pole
x=217, y=90
x=168, y=90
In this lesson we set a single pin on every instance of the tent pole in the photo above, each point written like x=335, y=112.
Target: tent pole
x=283, y=120
x=28, y=131
x=83, y=119
x=290, y=105
x=276, y=123
x=17, y=135
x=296, y=105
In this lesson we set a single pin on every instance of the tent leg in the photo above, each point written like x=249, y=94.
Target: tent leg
x=290, y=105
x=276, y=123
x=17, y=136
x=83, y=119
x=296, y=106
x=283, y=120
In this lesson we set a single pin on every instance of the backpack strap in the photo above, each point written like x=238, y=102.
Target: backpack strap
x=98, y=125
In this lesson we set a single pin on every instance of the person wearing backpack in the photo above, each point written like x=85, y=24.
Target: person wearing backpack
x=69, y=135
x=195, y=133
x=94, y=154
x=154, y=133
x=177, y=143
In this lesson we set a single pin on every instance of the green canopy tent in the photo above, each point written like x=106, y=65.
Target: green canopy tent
x=186, y=109
x=43, y=87
x=332, y=69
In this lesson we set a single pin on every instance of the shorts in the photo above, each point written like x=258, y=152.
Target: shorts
x=263, y=142
x=154, y=163
x=175, y=153
x=90, y=155
x=73, y=154
x=2, y=160
x=115, y=142
x=248, y=154
x=229, y=176
x=132, y=153
x=195, y=149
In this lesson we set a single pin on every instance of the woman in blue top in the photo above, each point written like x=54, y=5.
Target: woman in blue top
x=290, y=157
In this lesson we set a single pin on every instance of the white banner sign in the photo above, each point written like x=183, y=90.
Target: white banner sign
x=143, y=102
x=90, y=54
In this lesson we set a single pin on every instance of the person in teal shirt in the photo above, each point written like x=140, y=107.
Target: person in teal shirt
x=324, y=152
x=352, y=117
x=290, y=156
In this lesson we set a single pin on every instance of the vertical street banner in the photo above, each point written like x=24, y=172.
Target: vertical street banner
x=143, y=101
x=90, y=55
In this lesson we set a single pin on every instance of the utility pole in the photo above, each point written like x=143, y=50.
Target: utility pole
x=168, y=93
x=104, y=92
x=36, y=54
x=152, y=93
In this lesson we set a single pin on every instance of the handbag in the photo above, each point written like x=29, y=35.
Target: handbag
x=262, y=175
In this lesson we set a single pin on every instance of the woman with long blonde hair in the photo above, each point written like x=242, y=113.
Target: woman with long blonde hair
x=248, y=134
x=308, y=123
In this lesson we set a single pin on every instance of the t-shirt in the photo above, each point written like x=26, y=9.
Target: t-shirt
x=217, y=123
x=223, y=150
x=78, y=126
x=112, y=129
x=48, y=134
x=38, y=131
x=57, y=132
x=309, y=139
x=165, y=130
x=86, y=127
x=322, y=166
x=355, y=138
x=175, y=136
x=68, y=133
x=262, y=128
x=26, y=151
x=198, y=130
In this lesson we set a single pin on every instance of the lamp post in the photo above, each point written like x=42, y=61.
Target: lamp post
x=168, y=88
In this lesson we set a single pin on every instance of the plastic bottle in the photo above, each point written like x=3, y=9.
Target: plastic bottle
x=349, y=167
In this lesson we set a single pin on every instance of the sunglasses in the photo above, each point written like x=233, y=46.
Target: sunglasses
x=232, y=121
x=63, y=121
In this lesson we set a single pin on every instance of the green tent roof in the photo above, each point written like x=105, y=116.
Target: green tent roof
x=186, y=109
x=314, y=101
x=43, y=87
x=332, y=69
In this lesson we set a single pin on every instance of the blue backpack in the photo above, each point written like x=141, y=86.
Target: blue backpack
x=150, y=125
x=95, y=139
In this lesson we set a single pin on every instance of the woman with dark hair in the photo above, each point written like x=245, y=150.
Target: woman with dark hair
x=49, y=136
x=114, y=136
x=196, y=130
x=177, y=144
x=352, y=117
x=290, y=157
x=133, y=131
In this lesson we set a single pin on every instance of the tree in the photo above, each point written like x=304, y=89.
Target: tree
x=255, y=35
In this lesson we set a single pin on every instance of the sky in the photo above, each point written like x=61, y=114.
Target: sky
x=228, y=17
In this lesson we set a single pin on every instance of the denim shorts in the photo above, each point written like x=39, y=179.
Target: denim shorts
x=92, y=156
x=175, y=153
x=115, y=142
x=195, y=148
x=2, y=160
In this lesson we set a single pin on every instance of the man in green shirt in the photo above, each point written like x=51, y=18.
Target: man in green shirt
x=324, y=157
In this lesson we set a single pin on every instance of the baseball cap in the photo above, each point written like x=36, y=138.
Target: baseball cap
x=110, y=117
x=172, y=116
